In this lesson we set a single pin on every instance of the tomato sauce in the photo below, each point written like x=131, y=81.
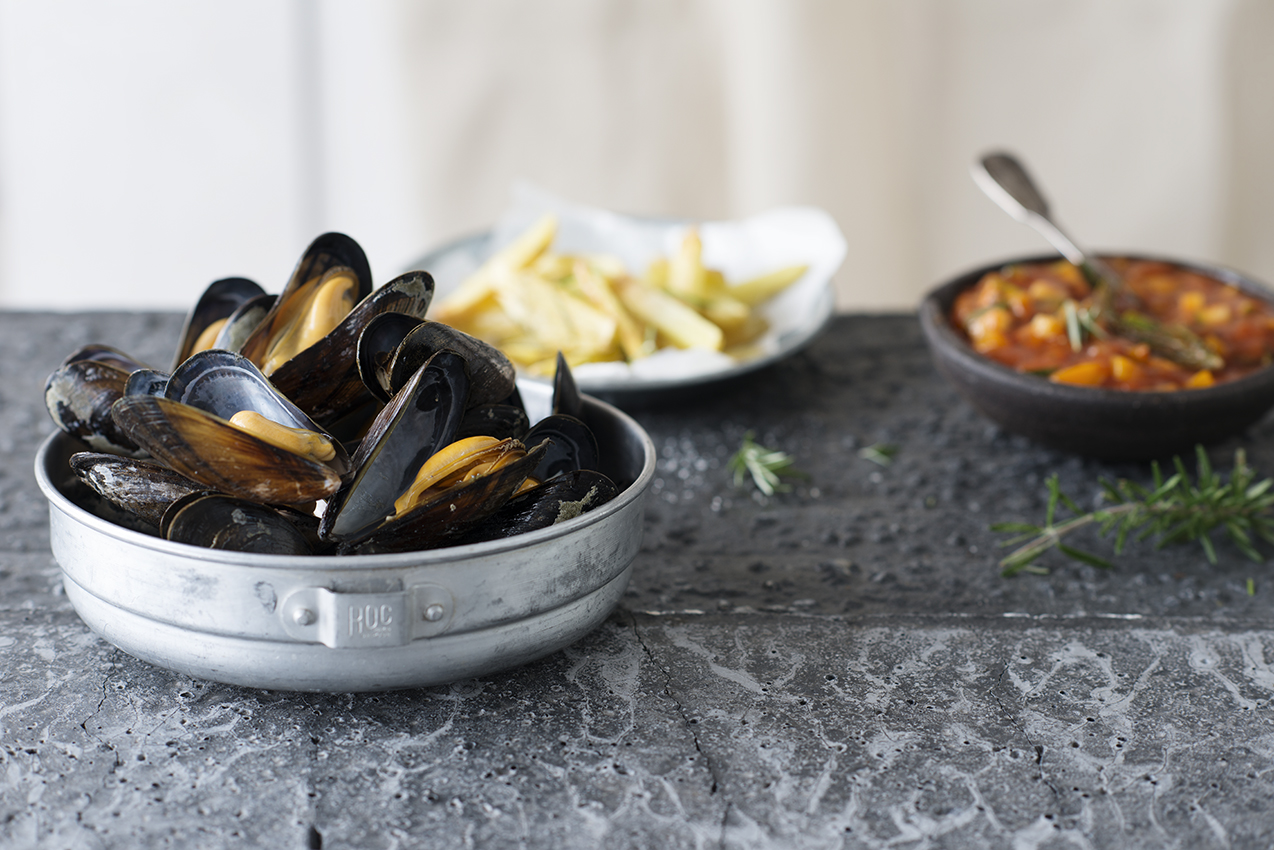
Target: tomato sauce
x=1024, y=316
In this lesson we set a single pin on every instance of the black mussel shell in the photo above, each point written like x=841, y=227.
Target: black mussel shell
x=218, y=521
x=421, y=418
x=79, y=396
x=491, y=374
x=494, y=420
x=221, y=457
x=324, y=380
x=514, y=399
x=572, y=446
x=566, y=394
x=327, y=252
x=221, y=299
x=142, y=487
x=187, y=430
x=146, y=382
x=376, y=346
x=109, y=355
x=565, y=497
x=243, y=321
x=448, y=517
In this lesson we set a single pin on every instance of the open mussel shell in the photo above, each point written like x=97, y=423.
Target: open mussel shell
x=446, y=517
x=564, y=497
x=494, y=420
x=566, y=394
x=211, y=312
x=80, y=392
x=420, y=419
x=142, y=487
x=146, y=382
x=572, y=446
x=326, y=253
x=324, y=380
x=219, y=521
x=188, y=429
x=111, y=356
x=491, y=373
x=243, y=321
x=376, y=346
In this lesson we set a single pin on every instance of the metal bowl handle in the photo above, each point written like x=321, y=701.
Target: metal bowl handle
x=362, y=620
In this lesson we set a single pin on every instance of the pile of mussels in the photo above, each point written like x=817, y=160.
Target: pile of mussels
x=329, y=419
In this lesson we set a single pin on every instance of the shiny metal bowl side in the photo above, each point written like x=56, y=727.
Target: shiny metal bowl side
x=353, y=623
x=1101, y=423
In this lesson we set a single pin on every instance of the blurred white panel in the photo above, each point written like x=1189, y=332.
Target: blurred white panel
x=146, y=148
x=1118, y=109
x=370, y=164
x=816, y=114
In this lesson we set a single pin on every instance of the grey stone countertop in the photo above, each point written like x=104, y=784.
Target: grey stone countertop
x=839, y=666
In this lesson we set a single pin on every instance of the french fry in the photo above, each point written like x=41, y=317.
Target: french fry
x=628, y=331
x=680, y=323
x=759, y=289
x=527, y=247
x=555, y=317
x=726, y=312
x=686, y=274
x=474, y=292
x=533, y=303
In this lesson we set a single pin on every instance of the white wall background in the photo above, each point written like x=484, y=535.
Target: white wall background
x=149, y=147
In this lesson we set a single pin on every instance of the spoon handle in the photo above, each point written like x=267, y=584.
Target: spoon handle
x=1006, y=181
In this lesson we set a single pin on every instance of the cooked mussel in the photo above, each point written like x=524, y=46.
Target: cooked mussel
x=243, y=322
x=330, y=278
x=323, y=379
x=563, y=498
x=420, y=419
x=277, y=456
x=572, y=446
x=495, y=420
x=212, y=312
x=218, y=521
x=80, y=392
x=377, y=344
x=566, y=394
x=142, y=487
x=468, y=489
x=491, y=375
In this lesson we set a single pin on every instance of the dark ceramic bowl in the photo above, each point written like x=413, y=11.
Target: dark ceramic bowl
x=1100, y=423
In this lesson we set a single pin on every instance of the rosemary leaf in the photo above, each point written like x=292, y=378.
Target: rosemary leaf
x=1176, y=510
x=881, y=454
x=763, y=465
x=1074, y=332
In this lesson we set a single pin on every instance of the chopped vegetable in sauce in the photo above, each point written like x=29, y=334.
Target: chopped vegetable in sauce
x=1036, y=318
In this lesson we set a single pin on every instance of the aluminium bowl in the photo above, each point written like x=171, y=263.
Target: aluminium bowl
x=1101, y=423
x=358, y=622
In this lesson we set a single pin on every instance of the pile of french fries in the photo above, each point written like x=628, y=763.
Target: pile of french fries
x=532, y=303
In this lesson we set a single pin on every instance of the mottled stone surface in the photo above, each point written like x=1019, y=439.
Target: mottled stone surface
x=840, y=666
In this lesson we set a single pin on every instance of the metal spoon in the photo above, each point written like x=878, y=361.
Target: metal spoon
x=1006, y=181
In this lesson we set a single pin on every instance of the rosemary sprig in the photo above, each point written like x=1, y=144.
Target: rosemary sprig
x=1173, y=510
x=881, y=454
x=764, y=465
